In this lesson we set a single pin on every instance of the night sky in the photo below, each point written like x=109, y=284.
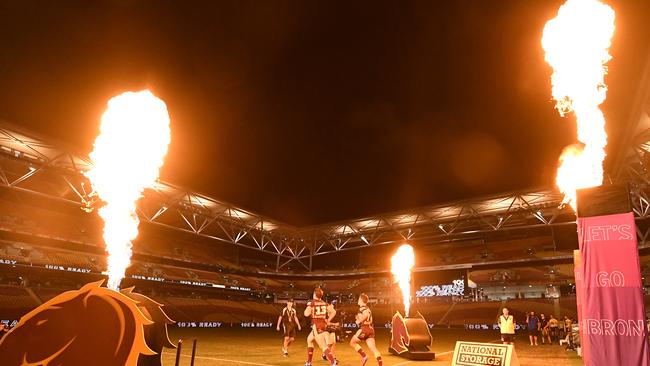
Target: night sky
x=314, y=111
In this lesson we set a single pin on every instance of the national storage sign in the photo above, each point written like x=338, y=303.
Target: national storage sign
x=484, y=354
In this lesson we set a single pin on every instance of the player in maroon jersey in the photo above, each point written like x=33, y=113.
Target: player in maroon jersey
x=366, y=332
x=333, y=329
x=319, y=311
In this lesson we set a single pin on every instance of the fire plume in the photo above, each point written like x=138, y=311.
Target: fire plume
x=402, y=264
x=577, y=44
x=127, y=156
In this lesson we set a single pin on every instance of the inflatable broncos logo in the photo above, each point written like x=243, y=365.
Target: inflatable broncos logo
x=400, y=339
x=90, y=326
x=411, y=338
x=155, y=334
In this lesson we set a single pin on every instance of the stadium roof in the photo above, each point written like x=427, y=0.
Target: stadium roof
x=32, y=164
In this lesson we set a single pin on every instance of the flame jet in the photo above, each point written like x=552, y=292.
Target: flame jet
x=576, y=44
x=402, y=264
x=127, y=157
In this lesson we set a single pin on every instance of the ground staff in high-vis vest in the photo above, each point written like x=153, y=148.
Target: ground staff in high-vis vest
x=507, y=326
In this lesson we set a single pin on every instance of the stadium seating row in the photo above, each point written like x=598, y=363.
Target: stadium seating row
x=188, y=308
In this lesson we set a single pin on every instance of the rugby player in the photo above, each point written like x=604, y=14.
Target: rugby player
x=319, y=311
x=366, y=332
x=333, y=329
x=289, y=321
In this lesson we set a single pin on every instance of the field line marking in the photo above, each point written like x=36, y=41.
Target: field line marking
x=233, y=361
x=225, y=360
x=402, y=363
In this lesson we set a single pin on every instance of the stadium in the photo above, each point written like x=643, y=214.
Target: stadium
x=222, y=274
x=219, y=269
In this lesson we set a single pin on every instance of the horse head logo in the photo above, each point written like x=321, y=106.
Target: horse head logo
x=400, y=339
x=155, y=334
x=90, y=326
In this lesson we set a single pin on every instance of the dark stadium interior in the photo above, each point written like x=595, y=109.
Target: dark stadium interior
x=386, y=110
x=56, y=247
x=309, y=141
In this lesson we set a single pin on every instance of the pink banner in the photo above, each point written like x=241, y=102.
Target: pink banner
x=612, y=318
x=580, y=289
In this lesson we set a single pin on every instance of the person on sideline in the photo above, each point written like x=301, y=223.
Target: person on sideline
x=532, y=321
x=506, y=326
x=543, y=326
x=553, y=326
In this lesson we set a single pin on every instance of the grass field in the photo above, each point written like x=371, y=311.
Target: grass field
x=261, y=347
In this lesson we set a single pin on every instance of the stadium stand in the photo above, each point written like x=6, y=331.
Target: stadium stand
x=15, y=297
x=434, y=312
x=39, y=238
x=480, y=312
x=46, y=293
x=545, y=306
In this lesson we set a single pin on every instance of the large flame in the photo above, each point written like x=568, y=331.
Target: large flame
x=401, y=266
x=577, y=44
x=127, y=156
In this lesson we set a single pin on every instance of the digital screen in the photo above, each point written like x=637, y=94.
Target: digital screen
x=456, y=288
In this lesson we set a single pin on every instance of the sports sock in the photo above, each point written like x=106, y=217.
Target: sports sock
x=361, y=352
x=310, y=354
x=379, y=361
x=329, y=356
